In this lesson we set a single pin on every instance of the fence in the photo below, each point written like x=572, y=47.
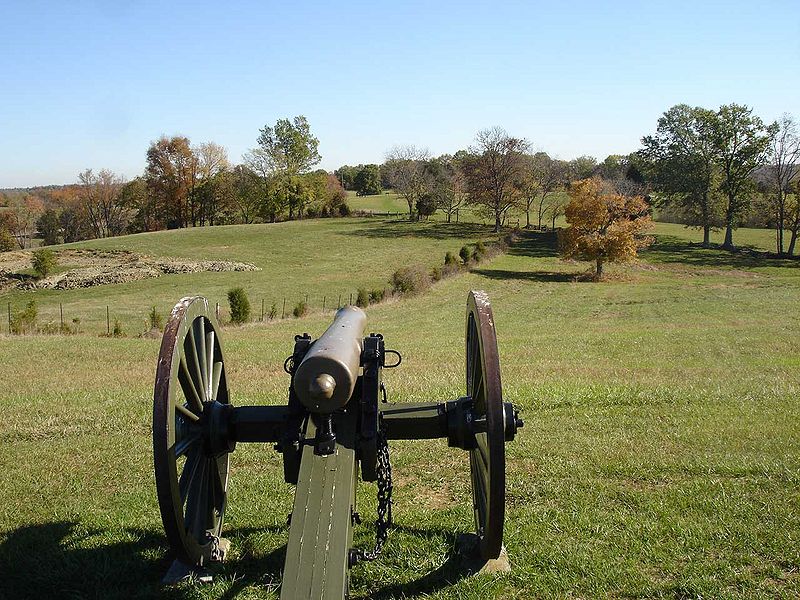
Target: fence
x=106, y=321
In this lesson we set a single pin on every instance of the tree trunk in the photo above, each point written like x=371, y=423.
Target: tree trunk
x=792, y=242
x=728, y=243
x=599, y=272
x=554, y=222
x=497, y=222
x=528, y=219
x=706, y=235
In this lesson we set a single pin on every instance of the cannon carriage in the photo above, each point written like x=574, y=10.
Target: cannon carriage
x=335, y=427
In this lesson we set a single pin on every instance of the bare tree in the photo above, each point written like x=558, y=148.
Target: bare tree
x=404, y=169
x=100, y=197
x=21, y=218
x=495, y=172
x=783, y=165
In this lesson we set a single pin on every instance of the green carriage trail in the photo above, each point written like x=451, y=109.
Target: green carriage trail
x=660, y=455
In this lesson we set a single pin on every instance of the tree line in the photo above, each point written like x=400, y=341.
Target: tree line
x=714, y=169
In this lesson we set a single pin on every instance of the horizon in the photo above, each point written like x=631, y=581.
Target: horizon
x=94, y=85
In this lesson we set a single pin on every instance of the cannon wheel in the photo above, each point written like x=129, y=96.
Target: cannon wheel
x=487, y=460
x=191, y=483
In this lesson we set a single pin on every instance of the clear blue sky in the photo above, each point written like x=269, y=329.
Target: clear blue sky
x=90, y=84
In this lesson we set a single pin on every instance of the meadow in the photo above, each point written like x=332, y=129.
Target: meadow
x=660, y=455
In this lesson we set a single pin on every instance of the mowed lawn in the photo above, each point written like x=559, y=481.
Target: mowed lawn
x=660, y=455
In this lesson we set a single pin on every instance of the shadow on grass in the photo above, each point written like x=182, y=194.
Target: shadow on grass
x=450, y=572
x=382, y=228
x=45, y=561
x=671, y=249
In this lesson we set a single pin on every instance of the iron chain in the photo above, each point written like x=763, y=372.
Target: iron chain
x=384, y=519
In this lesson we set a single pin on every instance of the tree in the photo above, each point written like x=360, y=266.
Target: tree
x=207, y=190
x=43, y=262
x=134, y=198
x=543, y=176
x=49, y=227
x=495, y=172
x=783, y=166
x=287, y=150
x=405, y=172
x=740, y=143
x=582, y=167
x=680, y=160
x=793, y=215
x=246, y=193
x=22, y=215
x=347, y=176
x=169, y=174
x=367, y=181
x=603, y=226
x=100, y=196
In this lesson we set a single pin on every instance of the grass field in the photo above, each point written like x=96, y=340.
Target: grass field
x=314, y=258
x=660, y=455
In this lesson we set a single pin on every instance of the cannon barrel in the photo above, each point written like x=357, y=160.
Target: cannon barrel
x=326, y=377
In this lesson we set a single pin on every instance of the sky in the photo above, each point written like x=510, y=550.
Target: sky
x=91, y=84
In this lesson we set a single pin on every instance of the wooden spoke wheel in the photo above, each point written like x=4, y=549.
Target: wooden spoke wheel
x=191, y=463
x=487, y=460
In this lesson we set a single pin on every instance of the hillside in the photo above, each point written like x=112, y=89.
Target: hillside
x=661, y=422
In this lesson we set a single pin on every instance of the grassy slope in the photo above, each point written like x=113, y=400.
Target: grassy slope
x=659, y=456
x=315, y=258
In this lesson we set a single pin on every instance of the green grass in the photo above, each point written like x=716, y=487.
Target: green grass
x=317, y=258
x=660, y=455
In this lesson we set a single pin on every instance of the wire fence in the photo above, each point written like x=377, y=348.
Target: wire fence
x=31, y=318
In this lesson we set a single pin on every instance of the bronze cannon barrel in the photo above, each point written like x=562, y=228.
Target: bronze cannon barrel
x=327, y=375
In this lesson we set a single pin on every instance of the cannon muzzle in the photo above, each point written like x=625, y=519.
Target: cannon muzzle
x=326, y=377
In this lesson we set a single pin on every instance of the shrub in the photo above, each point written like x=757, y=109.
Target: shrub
x=344, y=210
x=6, y=241
x=436, y=273
x=477, y=255
x=43, y=262
x=300, y=310
x=117, y=330
x=377, y=295
x=273, y=312
x=155, y=320
x=239, y=306
x=410, y=280
x=24, y=321
x=464, y=253
x=450, y=259
x=480, y=247
x=362, y=298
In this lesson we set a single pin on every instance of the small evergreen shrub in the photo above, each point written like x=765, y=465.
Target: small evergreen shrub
x=24, y=321
x=155, y=320
x=480, y=247
x=117, y=330
x=6, y=241
x=300, y=310
x=362, y=298
x=239, y=306
x=436, y=274
x=43, y=262
x=465, y=254
x=477, y=255
x=450, y=259
x=377, y=295
x=273, y=312
x=410, y=280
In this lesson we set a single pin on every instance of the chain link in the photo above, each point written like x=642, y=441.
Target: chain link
x=383, y=522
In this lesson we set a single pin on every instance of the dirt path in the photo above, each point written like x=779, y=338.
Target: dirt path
x=88, y=268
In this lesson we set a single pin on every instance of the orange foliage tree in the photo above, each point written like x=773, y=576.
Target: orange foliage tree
x=603, y=226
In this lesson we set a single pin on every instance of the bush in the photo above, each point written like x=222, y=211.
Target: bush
x=450, y=259
x=344, y=210
x=6, y=241
x=239, y=306
x=362, y=298
x=300, y=310
x=464, y=253
x=477, y=255
x=155, y=320
x=436, y=274
x=377, y=295
x=117, y=330
x=43, y=262
x=410, y=280
x=24, y=321
x=480, y=247
x=273, y=312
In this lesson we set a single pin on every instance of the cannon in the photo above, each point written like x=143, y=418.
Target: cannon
x=335, y=427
